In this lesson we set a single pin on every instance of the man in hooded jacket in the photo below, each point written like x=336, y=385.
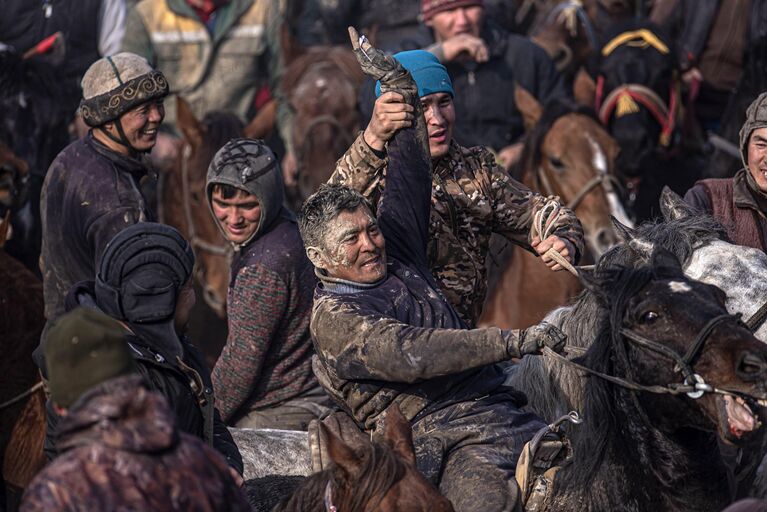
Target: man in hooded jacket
x=740, y=202
x=144, y=282
x=264, y=375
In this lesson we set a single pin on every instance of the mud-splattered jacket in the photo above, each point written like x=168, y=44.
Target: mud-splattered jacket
x=90, y=194
x=124, y=452
x=472, y=197
x=401, y=341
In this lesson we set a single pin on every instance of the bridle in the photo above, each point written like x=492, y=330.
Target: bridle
x=303, y=149
x=603, y=179
x=197, y=242
x=626, y=98
x=692, y=385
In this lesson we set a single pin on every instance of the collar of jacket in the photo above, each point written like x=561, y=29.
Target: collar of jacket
x=226, y=15
x=445, y=166
x=746, y=194
x=135, y=167
x=343, y=286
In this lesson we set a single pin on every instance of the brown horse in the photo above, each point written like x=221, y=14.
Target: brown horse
x=381, y=476
x=321, y=87
x=183, y=204
x=22, y=425
x=567, y=154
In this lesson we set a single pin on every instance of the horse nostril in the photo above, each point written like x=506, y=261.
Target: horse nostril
x=751, y=366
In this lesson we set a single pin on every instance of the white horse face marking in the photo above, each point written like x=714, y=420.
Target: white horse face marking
x=679, y=287
x=599, y=161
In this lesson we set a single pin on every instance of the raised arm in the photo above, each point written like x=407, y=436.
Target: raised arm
x=403, y=212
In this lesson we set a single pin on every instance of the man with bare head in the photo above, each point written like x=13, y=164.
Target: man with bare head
x=385, y=334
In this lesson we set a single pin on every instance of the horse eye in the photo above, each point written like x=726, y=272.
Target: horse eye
x=650, y=317
x=557, y=163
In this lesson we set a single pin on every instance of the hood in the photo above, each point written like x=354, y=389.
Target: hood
x=160, y=336
x=120, y=413
x=756, y=117
x=249, y=165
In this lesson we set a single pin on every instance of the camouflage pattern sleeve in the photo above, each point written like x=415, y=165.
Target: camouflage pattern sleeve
x=515, y=205
x=361, y=169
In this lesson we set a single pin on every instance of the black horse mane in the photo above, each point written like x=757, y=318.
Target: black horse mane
x=380, y=468
x=680, y=236
x=617, y=427
x=553, y=111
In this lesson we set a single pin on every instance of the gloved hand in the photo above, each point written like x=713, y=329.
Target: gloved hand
x=531, y=340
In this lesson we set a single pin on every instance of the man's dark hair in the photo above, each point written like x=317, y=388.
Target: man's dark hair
x=228, y=191
x=322, y=207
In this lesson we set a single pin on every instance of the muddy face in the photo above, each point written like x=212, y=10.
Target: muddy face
x=354, y=248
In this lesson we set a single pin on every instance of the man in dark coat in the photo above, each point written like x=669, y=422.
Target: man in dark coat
x=263, y=378
x=385, y=334
x=91, y=191
x=740, y=202
x=484, y=61
x=122, y=449
x=144, y=281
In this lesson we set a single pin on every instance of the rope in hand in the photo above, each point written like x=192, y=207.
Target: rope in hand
x=544, y=224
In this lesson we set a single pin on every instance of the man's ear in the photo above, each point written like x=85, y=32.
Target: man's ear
x=315, y=256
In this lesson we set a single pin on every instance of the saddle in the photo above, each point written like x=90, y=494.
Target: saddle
x=343, y=427
x=542, y=457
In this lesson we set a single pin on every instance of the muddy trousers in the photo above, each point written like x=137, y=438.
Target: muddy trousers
x=470, y=450
x=293, y=414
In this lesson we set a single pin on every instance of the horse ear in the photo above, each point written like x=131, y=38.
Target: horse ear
x=624, y=232
x=528, y=106
x=665, y=263
x=585, y=89
x=339, y=452
x=672, y=206
x=190, y=127
x=399, y=434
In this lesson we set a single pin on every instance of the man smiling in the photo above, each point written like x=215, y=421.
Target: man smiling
x=263, y=378
x=386, y=335
x=740, y=202
x=91, y=191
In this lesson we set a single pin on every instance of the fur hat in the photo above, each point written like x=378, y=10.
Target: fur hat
x=83, y=349
x=114, y=85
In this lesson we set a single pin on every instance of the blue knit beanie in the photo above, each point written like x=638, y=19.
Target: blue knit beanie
x=430, y=76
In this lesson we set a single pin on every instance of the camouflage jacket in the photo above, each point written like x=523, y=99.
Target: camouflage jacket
x=122, y=451
x=472, y=197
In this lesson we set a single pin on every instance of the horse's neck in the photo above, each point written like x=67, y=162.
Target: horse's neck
x=736, y=270
x=643, y=467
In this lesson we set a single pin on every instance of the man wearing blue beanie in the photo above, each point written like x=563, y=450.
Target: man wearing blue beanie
x=472, y=196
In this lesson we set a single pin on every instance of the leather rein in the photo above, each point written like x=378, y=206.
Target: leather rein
x=693, y=385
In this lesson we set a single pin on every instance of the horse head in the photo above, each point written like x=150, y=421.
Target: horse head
x=378, y=476
x=635, y=92
x=321, y=86
x=667, y=330
x=566, y=33
x=570, y=155
x=183, y=201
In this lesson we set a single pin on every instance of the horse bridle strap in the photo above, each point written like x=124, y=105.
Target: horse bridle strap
x=625, y=98
x=693, y=386
x=757, y=319
x=328, y=498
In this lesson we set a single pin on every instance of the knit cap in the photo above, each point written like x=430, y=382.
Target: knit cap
x=429, y=74
x=431, y=7
x=84, y=348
